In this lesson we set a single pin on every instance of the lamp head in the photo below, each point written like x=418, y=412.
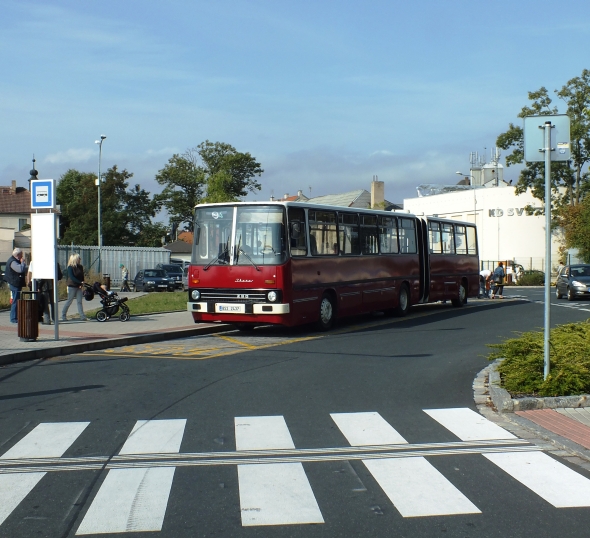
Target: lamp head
x=459, y=173
x=102, y=137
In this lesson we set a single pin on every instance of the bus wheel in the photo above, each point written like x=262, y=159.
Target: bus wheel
x=462, y=298
x=403, y=303
x=327, y=312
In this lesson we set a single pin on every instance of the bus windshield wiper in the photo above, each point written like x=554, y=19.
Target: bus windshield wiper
x=240, y=250
x=219, y=256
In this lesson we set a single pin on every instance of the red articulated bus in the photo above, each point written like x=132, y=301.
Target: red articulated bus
x=290, y=263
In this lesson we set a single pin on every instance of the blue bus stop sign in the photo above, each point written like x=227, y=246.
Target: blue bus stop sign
x=43, y=194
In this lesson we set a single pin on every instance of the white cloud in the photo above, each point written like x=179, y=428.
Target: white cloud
x=72, y=155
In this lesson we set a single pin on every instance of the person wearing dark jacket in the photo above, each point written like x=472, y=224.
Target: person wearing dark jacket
x=498, y=276
x=75, y=281
x=15, y=274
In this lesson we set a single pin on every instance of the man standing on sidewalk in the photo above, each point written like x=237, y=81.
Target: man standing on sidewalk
x=15, y=275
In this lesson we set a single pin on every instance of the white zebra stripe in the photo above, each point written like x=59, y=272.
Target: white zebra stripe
x=366, y=429
x=413, y=485
x=135, y=500
x=468, y=425
x=551, y=480
x=276, y=493
x=47, y=440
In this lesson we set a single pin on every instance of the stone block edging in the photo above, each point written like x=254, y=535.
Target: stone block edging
x=504, y=403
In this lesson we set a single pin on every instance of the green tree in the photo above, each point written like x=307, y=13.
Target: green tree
x=184, y=182
x=151, y=235
x=576, y=95
x=78, y=200
x=211, y=172
x=124, y=214
x=229, y=169
x=576, y=225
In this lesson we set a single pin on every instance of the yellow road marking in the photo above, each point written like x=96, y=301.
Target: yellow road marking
x=235, y=341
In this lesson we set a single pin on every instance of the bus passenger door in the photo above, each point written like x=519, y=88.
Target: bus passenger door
x=424, y=254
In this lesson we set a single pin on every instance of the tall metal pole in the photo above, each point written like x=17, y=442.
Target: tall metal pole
x=546, y=348
x=98, y=182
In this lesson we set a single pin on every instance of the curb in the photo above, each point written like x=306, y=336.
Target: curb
x=493, y=403
x=70, y=349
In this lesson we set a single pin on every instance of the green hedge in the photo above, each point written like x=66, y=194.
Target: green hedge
x=535, y=279
x=569, y=372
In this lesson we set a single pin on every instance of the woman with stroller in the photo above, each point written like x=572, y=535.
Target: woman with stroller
x=75, y=280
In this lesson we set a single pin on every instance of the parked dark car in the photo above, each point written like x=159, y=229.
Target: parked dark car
x=573, y=281
x=152, y=280
x=174, y=273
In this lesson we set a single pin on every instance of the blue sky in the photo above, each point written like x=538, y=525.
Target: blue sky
x=323, y=94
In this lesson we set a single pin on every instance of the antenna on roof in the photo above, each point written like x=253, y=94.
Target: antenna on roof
x=310, y=191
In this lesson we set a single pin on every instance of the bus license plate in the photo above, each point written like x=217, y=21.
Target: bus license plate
x=230, y=308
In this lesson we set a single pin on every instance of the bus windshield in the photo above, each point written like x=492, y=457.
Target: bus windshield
x=258, y=238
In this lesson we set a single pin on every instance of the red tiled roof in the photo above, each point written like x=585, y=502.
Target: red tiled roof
x=16, y=203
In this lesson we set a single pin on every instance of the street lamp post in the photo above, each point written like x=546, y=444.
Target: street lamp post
x=98, y=181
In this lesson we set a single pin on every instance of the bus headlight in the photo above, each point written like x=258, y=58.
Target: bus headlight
x=272, y=296
x=196, y=295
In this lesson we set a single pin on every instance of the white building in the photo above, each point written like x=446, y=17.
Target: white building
x=505, y=230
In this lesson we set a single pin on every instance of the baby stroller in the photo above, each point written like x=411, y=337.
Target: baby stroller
x=111, y=302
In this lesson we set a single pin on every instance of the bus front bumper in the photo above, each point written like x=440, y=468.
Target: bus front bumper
x=238, y=308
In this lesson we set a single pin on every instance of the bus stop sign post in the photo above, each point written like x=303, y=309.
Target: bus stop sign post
x=537, y=130
x=44, y=238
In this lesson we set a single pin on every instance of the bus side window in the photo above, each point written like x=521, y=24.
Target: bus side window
x=448, y=241
x=369, y=241
x=323, y=233
x=460, y=239
x=407, y=236
x=297, y=235
x=388, y=235
x=348, y=231
x=434, y=239
x=471, y=240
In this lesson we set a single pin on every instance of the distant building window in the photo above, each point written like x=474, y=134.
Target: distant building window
x=23, y=224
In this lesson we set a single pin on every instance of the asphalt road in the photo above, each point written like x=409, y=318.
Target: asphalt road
x=277, y=433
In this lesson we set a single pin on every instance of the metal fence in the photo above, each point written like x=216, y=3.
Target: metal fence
x=134, y=258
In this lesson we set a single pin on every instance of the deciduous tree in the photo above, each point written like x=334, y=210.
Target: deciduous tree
x=211, y=172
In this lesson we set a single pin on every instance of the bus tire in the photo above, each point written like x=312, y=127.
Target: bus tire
x=403, y=303
x=327, y=313
x=461, y=300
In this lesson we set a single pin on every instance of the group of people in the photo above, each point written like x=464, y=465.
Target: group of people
x=18, y=274
x=487, y=278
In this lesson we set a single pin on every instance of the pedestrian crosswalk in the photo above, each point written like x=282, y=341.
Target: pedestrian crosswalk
x=273, y=486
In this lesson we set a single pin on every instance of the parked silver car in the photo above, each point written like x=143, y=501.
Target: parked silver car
x=573, y=281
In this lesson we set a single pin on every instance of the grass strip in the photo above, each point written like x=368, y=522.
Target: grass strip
x=153, y=303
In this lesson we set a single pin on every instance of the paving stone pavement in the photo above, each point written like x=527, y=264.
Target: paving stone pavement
x=76, y=336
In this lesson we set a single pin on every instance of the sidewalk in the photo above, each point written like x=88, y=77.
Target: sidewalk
x=77, y=336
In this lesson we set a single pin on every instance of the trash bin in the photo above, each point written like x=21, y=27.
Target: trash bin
x=28, y=316
x=107, y=281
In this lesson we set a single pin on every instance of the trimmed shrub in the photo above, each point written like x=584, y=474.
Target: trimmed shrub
x=569, y=370
x=532, y=279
